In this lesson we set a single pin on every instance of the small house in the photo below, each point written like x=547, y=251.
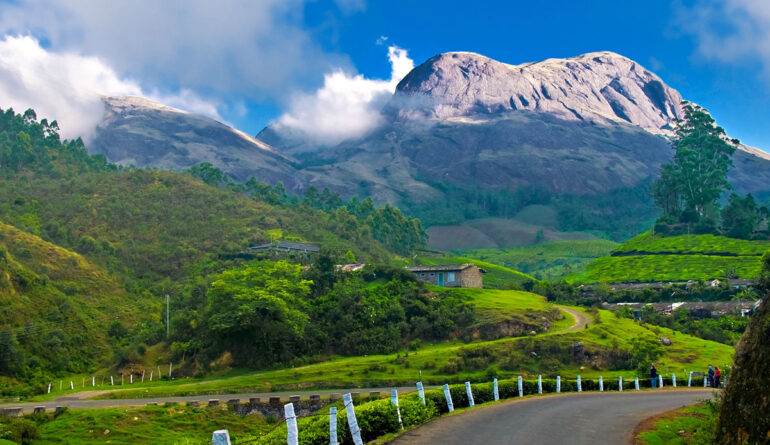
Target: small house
x=453, y=275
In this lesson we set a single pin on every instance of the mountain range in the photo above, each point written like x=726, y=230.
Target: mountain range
x=485, y=153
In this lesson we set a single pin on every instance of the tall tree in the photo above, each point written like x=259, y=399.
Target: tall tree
x=698, y=174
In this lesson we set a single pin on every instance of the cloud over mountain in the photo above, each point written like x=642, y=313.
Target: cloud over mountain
x=67, y=87
x=348, y=105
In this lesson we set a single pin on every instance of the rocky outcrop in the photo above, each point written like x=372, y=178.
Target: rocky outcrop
x=139, y=132
x=591, y=87
x=743, y=414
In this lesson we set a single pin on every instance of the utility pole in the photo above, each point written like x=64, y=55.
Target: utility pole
x=168, y=326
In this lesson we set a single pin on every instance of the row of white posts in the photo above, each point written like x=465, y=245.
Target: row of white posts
x=221, y=437
x=112, y=380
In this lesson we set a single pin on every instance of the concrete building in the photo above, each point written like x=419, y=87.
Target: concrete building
x=452, y=275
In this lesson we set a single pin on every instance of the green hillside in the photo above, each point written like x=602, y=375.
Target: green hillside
x=692, y=245
x=151, y=233
x=648, y=258
x=56, y=307
x=610, y=346
x=496, y=276
x=546, y=261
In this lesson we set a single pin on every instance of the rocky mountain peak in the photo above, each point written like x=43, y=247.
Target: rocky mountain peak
x=589, y=87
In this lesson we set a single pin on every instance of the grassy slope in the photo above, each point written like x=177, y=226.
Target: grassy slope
x=694, y=244
x=146, y=425
x=496, y=277
x=680, y=427
x=678, y=258
x=508, y=357
x=550, y=260
x=666, y=268
x=158, y=225
x=56, y=302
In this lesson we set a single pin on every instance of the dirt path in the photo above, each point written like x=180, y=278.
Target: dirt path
x=581, y=319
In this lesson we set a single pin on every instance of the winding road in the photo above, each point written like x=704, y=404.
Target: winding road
x=81, y=399
x=575, y=418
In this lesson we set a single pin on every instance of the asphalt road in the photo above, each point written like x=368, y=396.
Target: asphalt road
x=575, y=418
x=76, y=402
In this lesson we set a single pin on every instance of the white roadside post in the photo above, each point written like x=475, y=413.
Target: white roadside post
x=333, y=426
x=93, y=380
x=601, y=384
x=539, y=384
x=636, y=383
x=495, y=390
x=131, y=378
x=660, y=380
x=579, y=385
x=72, y=385
x=470, y=394
x=112, y=382
x=689, y=380
x=151, y=375
x=448, y=397
x=704, y=381
x=620, y=383
x=521, y=387
x=292, y=435
x=394, y=400
x=49, y=388
x=355, y=432
x=169, y=370
x=220, y=437
x=673, y=379
x=558, y=383
x=421, y=392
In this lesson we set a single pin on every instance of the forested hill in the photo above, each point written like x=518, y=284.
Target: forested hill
x=145, y=233
x=157, y=224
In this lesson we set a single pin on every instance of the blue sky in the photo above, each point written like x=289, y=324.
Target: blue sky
x=251, y=62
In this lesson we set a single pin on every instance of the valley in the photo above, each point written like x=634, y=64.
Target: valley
x=566, y=207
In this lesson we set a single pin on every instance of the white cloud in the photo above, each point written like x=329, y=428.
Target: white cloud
x=253, y=49
x=730, y=30
x=67, y=87
x=347, y=105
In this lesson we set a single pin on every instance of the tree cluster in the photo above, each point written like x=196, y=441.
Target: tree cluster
x=267, y=312
x=690, y=187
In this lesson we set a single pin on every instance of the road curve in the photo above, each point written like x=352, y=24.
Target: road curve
x=576, y=418
x=581, y=319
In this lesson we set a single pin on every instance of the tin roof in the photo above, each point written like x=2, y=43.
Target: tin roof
x=443, y=268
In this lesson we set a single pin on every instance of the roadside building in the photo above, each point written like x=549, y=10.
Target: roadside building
x=452, y=275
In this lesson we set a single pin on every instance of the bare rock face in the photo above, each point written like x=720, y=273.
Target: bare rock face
x=591, y=87
x=139, y=132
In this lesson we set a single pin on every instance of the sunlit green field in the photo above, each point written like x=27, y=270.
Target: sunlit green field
x=548, y=261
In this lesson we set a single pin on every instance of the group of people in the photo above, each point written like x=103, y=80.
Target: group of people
x=714, y=374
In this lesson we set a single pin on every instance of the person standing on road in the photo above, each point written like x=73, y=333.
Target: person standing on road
x=711, y=376
x=653, y=376
x=717, y=375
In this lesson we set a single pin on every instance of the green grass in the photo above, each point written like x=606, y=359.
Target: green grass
x=648, y=268
x=146, y=425
x=694, y=244
x=493, y=305
x=496, y=277
x=648, y=258
x=458, y=362
x=685, y=426
x=550, y=261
